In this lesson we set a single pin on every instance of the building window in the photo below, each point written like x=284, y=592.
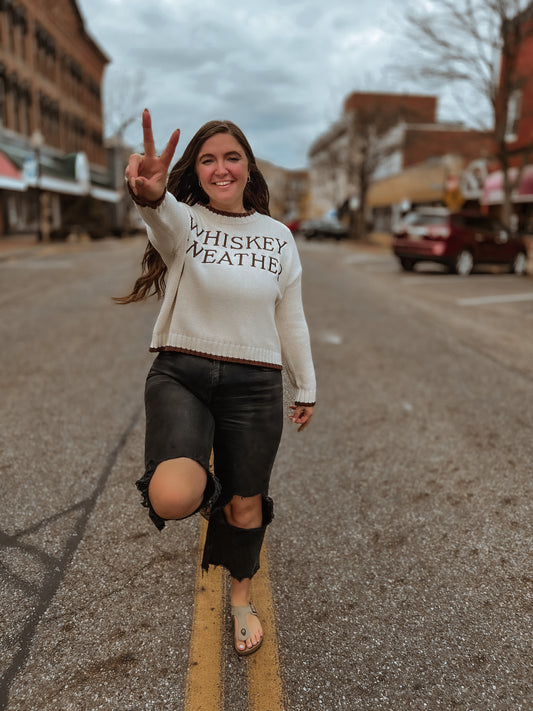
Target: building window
x=514, y=109
x=19, y=26
x=49, y=119
x=3, y=100
x=10, y=18
x=45, y=52
x=23, y=23
x=11, y=111
x=25, y=108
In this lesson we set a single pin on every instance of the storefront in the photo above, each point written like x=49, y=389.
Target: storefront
x=423, y=184
x=53, y=195
x=522, y=196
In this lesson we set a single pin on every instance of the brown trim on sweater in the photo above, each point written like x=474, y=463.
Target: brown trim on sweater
x=227, y=359
x=227, y=214
x=146, y=203
x=305, y=404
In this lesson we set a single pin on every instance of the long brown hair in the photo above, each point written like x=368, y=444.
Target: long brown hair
x=184, y=185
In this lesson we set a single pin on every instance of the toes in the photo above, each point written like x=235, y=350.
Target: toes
x=254, y=639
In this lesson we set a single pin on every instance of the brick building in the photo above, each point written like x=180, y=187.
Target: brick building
x=288, y=191
x=419, y=108
x=518, y=138
x=54, y=166
x=426, y=159
x=335, y=155
x=421, y=142
x=402, y=132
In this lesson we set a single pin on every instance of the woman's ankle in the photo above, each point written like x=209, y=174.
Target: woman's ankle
x=240, y=592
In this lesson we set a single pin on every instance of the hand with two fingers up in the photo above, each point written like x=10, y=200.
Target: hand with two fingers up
x=147, y=174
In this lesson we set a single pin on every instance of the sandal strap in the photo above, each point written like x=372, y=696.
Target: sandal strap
x=240, y=612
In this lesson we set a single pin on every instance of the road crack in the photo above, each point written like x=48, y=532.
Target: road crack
x=55, y=567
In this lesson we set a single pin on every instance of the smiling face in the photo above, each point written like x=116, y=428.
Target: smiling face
x=222, y=169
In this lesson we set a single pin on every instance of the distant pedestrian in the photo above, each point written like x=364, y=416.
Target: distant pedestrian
x=229, y=277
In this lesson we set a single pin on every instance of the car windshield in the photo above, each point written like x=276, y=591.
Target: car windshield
x=422, y=218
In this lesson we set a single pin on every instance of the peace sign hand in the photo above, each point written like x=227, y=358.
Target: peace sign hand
x=147, y=174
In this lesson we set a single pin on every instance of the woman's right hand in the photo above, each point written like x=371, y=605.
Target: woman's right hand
x=147, y=174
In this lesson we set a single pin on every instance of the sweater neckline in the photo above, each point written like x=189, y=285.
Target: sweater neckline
x=249, y=213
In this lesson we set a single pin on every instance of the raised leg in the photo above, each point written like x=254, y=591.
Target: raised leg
x=177, y=488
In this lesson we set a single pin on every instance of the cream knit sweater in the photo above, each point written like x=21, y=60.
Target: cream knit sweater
x=233, y=289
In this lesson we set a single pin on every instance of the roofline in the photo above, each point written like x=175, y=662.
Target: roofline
x=87, y=36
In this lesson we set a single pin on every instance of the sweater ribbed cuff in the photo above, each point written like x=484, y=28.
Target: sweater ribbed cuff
x=146, y=203
x=305, y=396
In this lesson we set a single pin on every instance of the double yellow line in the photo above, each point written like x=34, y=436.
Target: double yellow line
x=205, y=686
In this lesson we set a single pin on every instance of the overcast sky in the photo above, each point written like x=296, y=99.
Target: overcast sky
x=280, y=69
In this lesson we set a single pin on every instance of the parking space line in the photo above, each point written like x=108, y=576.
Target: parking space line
x=205, y=687
x=496, y=299
x=331, y=337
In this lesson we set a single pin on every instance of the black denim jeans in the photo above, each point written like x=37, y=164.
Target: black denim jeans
x=195, y=405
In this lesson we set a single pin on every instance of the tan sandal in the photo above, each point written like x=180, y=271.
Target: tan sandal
x=239, y=612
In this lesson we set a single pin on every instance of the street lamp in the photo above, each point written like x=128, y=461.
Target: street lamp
x=37, y=142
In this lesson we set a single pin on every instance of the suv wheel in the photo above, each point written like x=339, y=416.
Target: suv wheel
x=519, y=264
x=464, y=263
x=407, y=264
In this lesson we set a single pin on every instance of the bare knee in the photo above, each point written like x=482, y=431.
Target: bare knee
x=177, y=487
x=245, y=512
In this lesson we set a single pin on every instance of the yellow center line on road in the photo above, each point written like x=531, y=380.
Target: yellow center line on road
x=265, y=690
x=205, y=686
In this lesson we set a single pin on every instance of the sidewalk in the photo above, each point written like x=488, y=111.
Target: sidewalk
x=19, y=245
x=26, y=245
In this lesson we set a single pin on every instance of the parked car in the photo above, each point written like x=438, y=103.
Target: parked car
x=294, y=226
x=457, y=240
x=329, y=228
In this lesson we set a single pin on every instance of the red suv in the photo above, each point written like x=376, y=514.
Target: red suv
x=460, y=241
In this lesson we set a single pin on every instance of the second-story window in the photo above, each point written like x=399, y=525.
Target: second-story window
x=45, y=52
x=10, y=22
x=19, y=30
x=25, y=108
x=3, y=107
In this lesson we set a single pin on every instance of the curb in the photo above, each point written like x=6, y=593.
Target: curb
x=13, y=250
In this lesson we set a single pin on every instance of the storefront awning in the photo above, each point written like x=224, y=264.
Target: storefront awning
x=69, y=174
x=10, y=176
x=493, y=186
x=418, y=184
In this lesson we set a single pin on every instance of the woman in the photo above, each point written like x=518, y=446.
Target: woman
x=229, y=276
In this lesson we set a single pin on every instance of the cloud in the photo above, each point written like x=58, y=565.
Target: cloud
x=278, y=68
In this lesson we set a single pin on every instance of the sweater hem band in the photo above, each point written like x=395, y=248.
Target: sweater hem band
x=226, y=359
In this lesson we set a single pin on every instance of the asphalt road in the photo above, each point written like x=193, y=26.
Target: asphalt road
x=400, y=555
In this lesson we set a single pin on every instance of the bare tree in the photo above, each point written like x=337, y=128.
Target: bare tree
x=475, y=45
x=372, y=141
x=124, y=99
x=369, y=149
x=345, y=159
